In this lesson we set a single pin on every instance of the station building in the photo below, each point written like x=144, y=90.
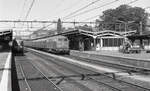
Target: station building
x=103, y=40
x=5, y=39
x=142, y=40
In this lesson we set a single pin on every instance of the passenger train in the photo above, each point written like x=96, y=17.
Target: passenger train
x=55, y=44
x=17, y=46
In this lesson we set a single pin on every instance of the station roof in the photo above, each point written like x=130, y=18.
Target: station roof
x=6, y=35
x=144, y=35
x=78, y=32
x=96, y=34
x=5, y=32
x=137, y=36
x=85, y=34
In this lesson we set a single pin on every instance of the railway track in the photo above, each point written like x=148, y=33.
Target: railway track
x=126, y=68
x=38, y=82
x=28, y=88
x=102, y=79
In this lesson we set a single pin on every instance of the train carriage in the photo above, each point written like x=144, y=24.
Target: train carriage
x=56, y=44
x=18, y=46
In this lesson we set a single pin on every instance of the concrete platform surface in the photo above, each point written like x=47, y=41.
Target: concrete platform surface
x=140, y=80
x=3, y=58
x=5, y=71
x=138, y=60
x=140, y=56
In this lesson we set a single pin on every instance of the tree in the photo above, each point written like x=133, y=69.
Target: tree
x=85, y=27
x=126, y=13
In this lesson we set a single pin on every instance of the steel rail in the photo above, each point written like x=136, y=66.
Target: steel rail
x=56, y=87
x=128, y=68
x=147, y=89
x=117, y=80
x=86, y=75
x=24, y=77
x=104, y=74
x=111, y=87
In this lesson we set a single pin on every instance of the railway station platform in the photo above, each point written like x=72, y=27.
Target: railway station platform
x=139, y=60
x=5, y=71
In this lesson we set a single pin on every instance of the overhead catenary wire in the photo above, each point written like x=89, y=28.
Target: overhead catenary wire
x=46, y=26
x=88, y=10
x=99, y=14
x=92, y=9
x=63, y=10
x=132, y=2
x=91, y=17
x=58, y=5
x=22, y=9
x=86, y=7
x=82, y=8
x=28, y=12
x=72, y=5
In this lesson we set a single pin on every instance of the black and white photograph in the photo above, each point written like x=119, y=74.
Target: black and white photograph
x=74, y=45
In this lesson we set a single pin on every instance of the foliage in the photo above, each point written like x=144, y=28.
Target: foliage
x=126, y=13
x=85, y=27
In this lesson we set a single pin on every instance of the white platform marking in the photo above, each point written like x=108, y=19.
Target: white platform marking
x=5, y=76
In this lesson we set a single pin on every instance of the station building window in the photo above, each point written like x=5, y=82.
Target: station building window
x=112, y=42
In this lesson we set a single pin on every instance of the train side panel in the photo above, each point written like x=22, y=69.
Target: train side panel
x=57, y=44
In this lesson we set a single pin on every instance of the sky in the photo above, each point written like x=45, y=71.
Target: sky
x=53, y=9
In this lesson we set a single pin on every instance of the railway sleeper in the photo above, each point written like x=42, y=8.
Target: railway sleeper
x=145, y=71
x=60, y=81
x=140, y=70
x=83, y=76
x=111, y=73
x=129, y=68
x=78, y=75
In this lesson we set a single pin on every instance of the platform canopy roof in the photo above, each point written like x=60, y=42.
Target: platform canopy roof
x=85, y=34
x=78, y=32
x=6, y=35
x=144, y=35
x=97, y=34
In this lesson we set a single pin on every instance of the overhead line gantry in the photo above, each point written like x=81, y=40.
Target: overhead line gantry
x=35, y=21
